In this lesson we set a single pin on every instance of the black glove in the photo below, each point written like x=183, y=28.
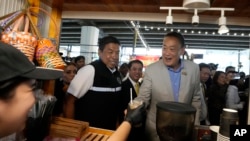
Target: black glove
x=135, y=116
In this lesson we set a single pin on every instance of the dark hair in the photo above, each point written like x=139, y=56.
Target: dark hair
x=123, y=65
x=203, y=65
x=242, y=75
x=79, y=58
x=229, y=67
x=106, y=40
x=7, y=87
x=71, y=63
x=216, y=76
x=177, y=36
x=213, y=66
x=134, y=62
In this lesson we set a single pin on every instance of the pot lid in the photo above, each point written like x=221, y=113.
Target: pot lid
x=176, y=107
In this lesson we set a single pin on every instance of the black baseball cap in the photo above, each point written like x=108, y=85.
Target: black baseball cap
x=13, y=63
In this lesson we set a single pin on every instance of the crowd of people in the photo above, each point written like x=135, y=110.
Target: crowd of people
x=224, y=92
x=100, y=92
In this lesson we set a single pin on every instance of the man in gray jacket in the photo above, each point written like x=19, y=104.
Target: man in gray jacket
x=170, y=79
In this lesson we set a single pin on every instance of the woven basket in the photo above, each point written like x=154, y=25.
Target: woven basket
x=46, y=52
x=47, y=55
x=22, y=40
x=43, y=49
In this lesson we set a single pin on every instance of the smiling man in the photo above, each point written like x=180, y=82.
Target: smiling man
x=135, y=68
x=94, y=93
x=170, y=79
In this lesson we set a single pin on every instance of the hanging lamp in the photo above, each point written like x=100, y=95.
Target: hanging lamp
x=196, y=3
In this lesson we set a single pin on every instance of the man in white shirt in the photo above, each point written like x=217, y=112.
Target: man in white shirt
x=94, y=93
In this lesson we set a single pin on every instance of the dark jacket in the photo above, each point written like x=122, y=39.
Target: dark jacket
x=216, y=102
x=136, y=133
x=100, y=105
x=60, y=93
x=126, y=85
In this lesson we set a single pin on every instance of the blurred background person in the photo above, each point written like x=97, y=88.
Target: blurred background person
x=61, y=87
x=246, y=84
x=232, y=97
x=241, y=82
x=230, y=68
x=216, y=97
x=132, y=82
x=79, y=61
x=123, y=69
x=213, y=68
x=230, y=76
x=204, y=75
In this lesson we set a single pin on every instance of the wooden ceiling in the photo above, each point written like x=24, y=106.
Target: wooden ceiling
x=242, y=7
x=112, y=18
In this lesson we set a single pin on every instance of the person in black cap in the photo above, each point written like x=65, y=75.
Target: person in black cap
x=16, y=88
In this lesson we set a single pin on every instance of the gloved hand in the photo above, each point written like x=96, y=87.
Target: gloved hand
x=135, y=116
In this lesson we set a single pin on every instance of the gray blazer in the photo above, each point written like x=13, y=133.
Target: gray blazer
x=157, y=87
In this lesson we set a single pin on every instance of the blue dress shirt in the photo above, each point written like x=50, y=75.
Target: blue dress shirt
x=175, y=77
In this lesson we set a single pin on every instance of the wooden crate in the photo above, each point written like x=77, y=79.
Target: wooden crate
x=97, y=134
x=68, y=128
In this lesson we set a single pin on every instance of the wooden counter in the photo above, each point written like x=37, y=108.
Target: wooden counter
x=69, y=128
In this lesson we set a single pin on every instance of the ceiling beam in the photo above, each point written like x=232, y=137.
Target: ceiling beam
x=153, y=17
